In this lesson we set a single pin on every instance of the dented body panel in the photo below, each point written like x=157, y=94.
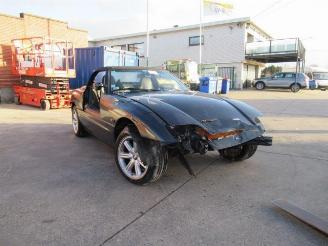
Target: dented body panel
x=196, y=121
x=211, y=113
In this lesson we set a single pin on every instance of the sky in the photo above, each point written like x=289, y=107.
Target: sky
x=102, y=18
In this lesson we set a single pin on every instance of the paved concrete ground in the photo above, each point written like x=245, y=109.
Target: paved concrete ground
x=56, y=189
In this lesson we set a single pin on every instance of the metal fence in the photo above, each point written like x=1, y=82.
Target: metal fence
x=217, y=71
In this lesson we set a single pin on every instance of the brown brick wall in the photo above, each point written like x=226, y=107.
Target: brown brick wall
x=27, y=25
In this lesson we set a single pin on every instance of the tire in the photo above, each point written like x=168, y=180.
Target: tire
x=45, y=105
x=295, y=87
x=259, y=85
x=139, y=160
x=78, y=128
x=238, y=153
x=16, y=100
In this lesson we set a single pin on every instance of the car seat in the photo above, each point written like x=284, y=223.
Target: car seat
x=146, y=84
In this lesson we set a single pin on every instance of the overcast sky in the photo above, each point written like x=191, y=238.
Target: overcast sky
x=280, y=18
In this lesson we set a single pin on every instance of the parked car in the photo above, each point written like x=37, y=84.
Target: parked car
x=150, y=114
x=321, y=78
x=283, y=80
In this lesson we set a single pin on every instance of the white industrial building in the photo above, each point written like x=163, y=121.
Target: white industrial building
x=223, y=47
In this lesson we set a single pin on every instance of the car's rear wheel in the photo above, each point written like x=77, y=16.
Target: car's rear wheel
x=78, y=128
x=138, y=160
x=295, y=87
x=259, y=85
x=238, y=153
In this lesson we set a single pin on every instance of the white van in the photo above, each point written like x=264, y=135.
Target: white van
x=321, y=78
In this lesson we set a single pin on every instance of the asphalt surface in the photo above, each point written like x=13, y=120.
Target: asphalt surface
x=56, y=189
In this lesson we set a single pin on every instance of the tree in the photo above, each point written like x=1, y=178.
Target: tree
x=270, y=70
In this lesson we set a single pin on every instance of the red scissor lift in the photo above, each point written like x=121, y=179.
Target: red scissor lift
x=45, y=66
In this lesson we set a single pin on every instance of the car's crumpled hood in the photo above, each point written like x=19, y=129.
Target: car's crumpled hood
x=205, y=110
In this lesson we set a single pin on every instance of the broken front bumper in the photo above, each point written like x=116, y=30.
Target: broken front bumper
x=251, y=136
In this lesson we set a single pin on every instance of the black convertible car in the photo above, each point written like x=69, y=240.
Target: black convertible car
x=148, y=114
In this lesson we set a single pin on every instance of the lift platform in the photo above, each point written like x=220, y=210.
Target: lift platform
x=44, y=66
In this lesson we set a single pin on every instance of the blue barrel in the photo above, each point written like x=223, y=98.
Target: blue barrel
x=209, y=85
x=204, y=83
x=225, y=86
x=312, y=84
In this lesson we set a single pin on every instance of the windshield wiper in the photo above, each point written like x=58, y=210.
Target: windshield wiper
x=135, y=89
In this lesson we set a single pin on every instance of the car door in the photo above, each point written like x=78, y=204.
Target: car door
x=92, y=105
x=275, y=80
x=289, y=79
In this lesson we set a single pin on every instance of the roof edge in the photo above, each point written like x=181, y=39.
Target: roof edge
x=10, y=16
x=21, y=17
x=41, y=17
x=172, y=29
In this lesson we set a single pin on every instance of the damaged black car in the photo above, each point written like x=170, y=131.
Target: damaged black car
x=149, y=114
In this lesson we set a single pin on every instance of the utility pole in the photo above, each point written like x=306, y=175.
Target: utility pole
x=200, y=31
x=147, y=41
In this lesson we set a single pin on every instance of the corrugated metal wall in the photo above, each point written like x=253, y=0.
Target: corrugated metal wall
x=91, y=58
x=86, y=61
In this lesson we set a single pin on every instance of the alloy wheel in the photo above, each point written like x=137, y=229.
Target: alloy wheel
x=259, y=86
x=295, y=88
x=129, y=159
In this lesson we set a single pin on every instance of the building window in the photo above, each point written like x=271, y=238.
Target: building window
x=137, y=47
x=193, y=41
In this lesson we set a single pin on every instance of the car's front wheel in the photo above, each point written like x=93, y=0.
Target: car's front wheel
x=295, y=87
x=139, y=160
x=238, y=153
x=259, y=85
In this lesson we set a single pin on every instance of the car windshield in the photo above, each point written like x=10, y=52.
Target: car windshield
x=144, y=80
x=320, y=76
